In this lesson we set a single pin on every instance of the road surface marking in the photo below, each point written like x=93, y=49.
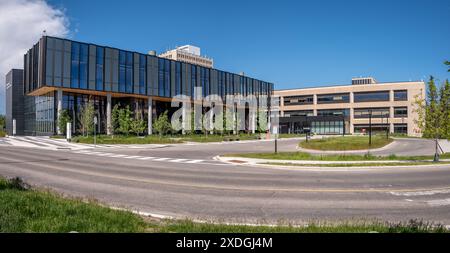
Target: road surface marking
x=178, y=160
x=146, y=158
x=161, y=159
x=194, y=161
x=420, y=193
x=439, y=202
x=133, y=157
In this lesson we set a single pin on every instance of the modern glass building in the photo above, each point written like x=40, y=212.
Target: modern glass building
x=61, y=74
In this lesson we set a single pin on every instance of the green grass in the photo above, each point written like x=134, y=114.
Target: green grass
x=346, y=143
x=57, y=137
x=38, y=211
x=122, y=139
x=29, y=210
x=360, y=164
x=361, y=226
x=332, y=157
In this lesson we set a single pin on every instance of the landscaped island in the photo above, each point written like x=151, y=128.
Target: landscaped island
x=346, y=143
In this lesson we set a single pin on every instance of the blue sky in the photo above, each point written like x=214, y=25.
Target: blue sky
x=290, y=43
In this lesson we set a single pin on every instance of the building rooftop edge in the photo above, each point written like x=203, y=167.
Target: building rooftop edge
x=89, y=43
x=347, y=85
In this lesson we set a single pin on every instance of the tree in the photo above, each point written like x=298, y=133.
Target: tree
x=138, y=124
x=115, y=119
x=64, y=118
x=432, y=111
x=162, y=125
x=444, y=107
x=2, y=122
x=125, y=120
x=448, y=64
x=87, y=118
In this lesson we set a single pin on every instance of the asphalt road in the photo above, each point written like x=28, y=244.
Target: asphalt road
x=210, y=190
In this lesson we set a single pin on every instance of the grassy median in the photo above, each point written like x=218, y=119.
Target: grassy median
x=167, y=139
x=346, y=143
x=123, y=139
x=332, y=157
x=23, y=209
x=359, y=164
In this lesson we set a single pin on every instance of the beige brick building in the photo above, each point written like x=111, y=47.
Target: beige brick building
x=389, y=105
x=189, y=54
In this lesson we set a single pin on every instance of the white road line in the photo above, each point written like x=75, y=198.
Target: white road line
x=194, y=161
x=132, y=157
x=116, y=156
x=146, y=158
x=105, y=154
x=178, y=160
x=80, y=151
x=161, y=159
x=439, y=202
x=420, y=193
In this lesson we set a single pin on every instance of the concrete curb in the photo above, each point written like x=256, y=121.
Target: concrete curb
x=285, y=165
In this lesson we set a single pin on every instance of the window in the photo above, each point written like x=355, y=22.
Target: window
x=164, y=77
x=167, y=68
x=75, y=65
x=142, y=73
x=400, y=112
x=400, y=95
x=99, y=68
x=362, y=113
x=178, y=78
x=301, y=113
x=125, y=72
x=327, y=127
x=161, y=77
x=84, y=52
x=298, y=100
x=400, y=128
x=193, y=80
x=122, y=74
x=333, y=112
x=204, y=81
x=129, y=72
x=371, y=96
x=333, y=98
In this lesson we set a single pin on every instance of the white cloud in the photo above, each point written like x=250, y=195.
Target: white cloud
x=22, y=23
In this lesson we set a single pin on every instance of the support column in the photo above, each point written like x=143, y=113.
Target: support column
x=150, y=116
x=315, y=104
x=253, y=122
x=211, y=120
x=108, y=115
x=183, y=119
x=391, y=119
x=59, y=110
